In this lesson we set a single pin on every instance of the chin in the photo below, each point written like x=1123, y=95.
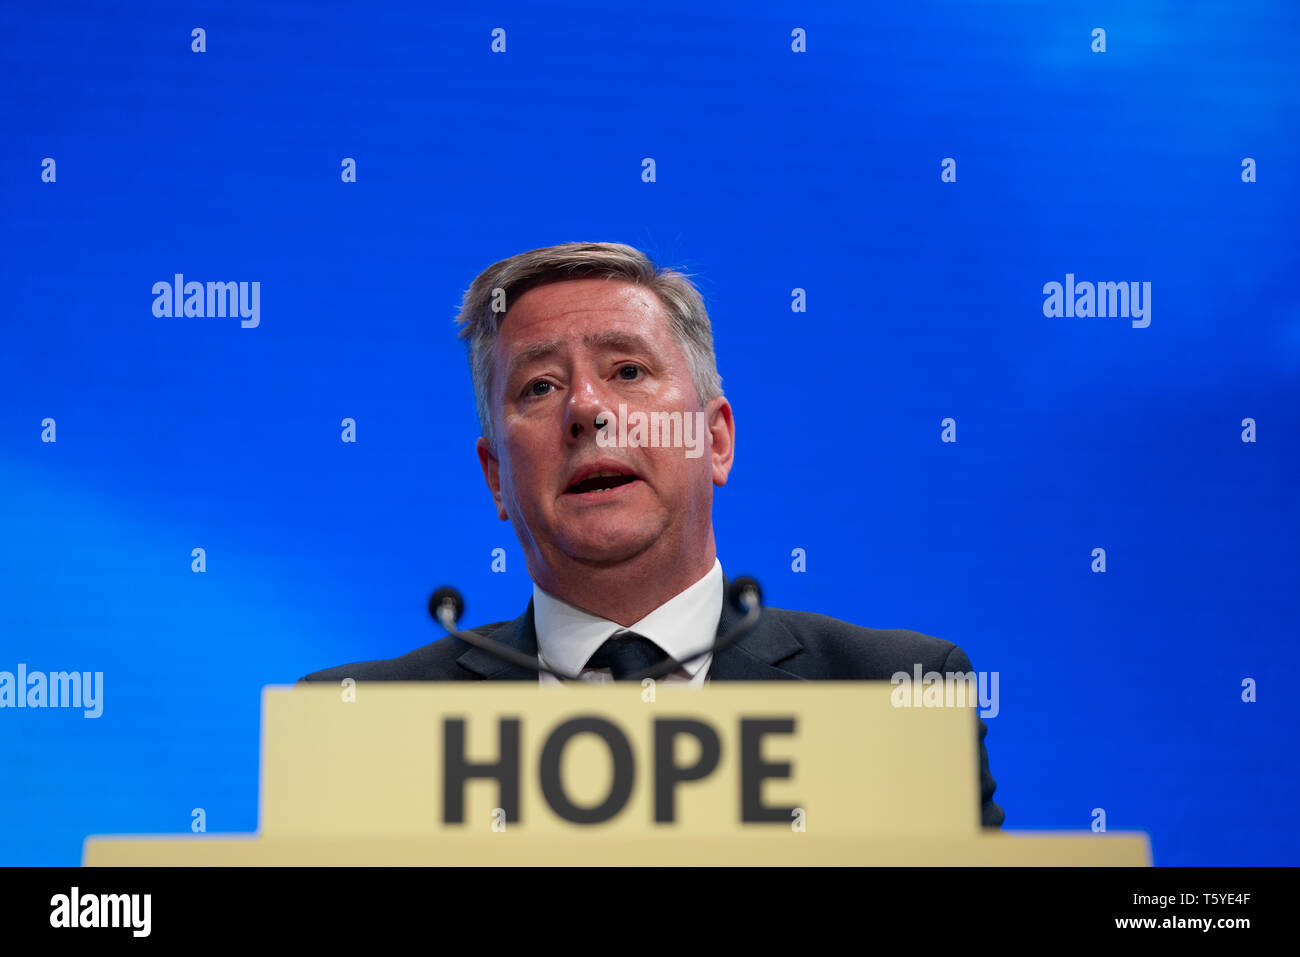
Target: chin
x=611, y=549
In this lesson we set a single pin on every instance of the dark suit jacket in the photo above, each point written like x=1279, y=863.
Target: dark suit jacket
x=783, y=646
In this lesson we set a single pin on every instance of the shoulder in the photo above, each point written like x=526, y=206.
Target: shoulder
x=839, y=649
x=435, y=661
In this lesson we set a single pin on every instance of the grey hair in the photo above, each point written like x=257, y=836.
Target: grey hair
x=487, y=300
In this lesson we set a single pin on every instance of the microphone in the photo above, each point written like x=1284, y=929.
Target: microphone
x=446, y=606
x=744, y=594
x=449, y=600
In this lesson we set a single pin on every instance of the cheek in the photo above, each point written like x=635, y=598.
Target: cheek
x=673, y=465
x=523, y=476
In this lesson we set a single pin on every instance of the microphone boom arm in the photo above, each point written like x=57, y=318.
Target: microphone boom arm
x=446, y=606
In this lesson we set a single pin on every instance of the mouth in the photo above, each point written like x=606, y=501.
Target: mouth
x=600, y=481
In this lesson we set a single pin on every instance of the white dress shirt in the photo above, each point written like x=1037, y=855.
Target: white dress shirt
x=567, y=636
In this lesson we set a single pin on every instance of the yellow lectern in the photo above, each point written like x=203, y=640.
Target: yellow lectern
x=505, y=773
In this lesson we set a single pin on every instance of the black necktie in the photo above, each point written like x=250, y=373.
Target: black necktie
x=627, y=655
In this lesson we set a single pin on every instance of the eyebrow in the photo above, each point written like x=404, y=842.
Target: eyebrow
x=613, y=339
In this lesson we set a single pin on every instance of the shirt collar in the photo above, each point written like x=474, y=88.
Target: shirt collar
x=688, y=622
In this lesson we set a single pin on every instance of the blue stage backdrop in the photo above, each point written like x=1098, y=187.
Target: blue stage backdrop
x=874, y=200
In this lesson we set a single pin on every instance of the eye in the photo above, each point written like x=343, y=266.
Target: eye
x=635, y=371
x=540, y=387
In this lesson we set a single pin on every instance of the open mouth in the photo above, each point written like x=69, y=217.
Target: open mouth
x=602, y=481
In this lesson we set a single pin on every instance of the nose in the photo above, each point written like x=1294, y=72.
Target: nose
x=583, y=411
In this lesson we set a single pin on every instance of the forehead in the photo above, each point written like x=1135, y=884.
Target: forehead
x=570, y=309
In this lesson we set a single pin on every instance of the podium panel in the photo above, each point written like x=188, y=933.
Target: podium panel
x=512, y=773
x=857, y=765
x=1023, y=849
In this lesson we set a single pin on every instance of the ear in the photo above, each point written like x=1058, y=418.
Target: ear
x=722, y=438
x=491, y=474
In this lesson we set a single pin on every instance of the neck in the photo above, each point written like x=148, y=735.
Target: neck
x=627, y=592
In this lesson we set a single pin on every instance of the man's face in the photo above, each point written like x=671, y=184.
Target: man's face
x=565, y=353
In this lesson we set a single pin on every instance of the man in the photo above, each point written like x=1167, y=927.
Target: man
x=567, y=344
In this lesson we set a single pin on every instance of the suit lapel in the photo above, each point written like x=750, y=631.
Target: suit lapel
x=754, y=657
x=519, y=634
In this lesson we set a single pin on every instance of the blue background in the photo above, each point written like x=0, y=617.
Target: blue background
x=776, y=170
